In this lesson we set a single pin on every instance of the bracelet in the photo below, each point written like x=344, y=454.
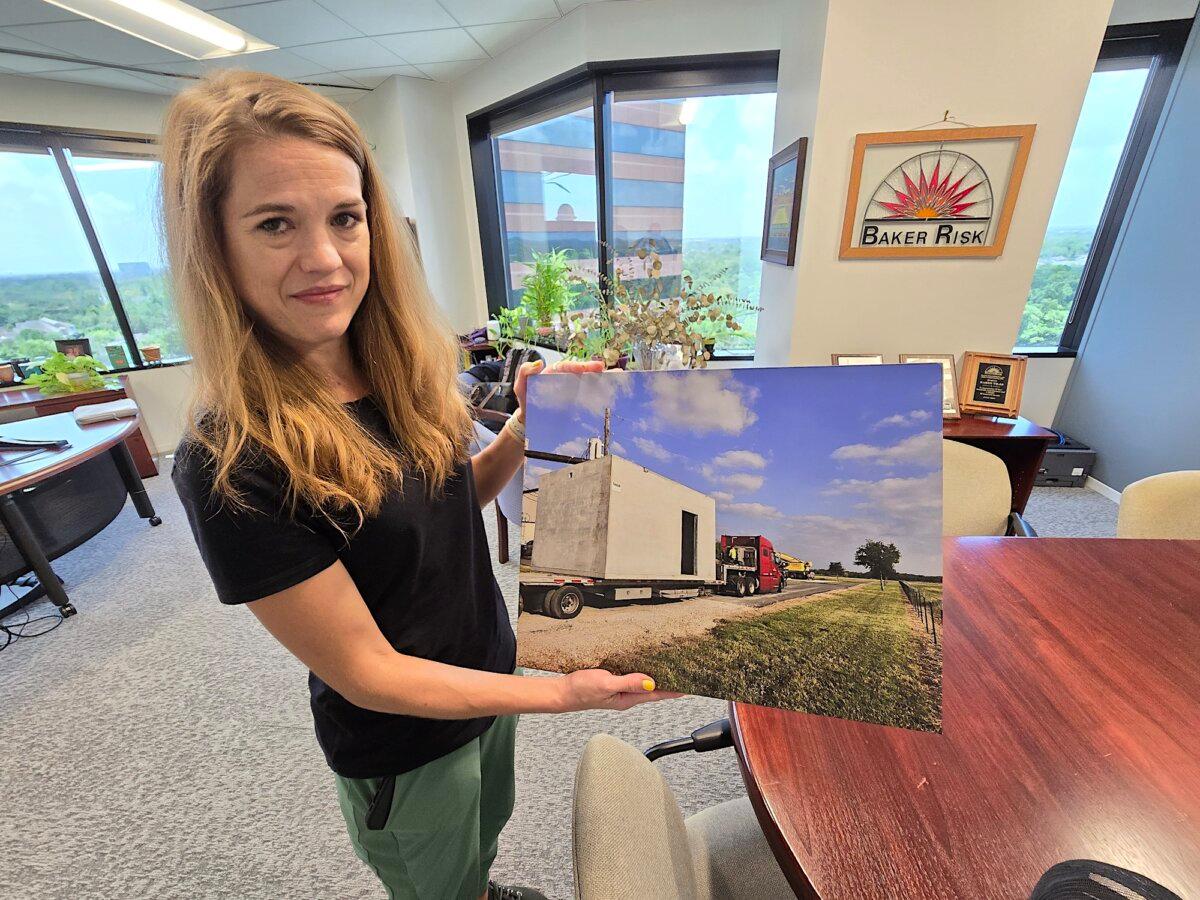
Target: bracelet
x=517, y=427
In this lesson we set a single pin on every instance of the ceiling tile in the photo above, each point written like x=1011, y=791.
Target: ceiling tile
x=32, y=12
x=288, y=22
x=31, y=63
x=374, y=77
x=337, y=79
x=391, y=16
x=275, y=62
x=448, y=71
x=353, y=53
x=498, y=38
x=94, y=41
x=444, y=45
x=487, y=12
x=112, y=78
x=341, y=95
x=568, y=5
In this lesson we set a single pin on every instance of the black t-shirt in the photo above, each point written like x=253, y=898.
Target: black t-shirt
x=422, y=565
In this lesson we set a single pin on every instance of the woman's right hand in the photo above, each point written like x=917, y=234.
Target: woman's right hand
x=598, y=689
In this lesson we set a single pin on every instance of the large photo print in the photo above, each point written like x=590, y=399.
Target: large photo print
x=769, y=536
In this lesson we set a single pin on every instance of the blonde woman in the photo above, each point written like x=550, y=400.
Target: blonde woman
x=326, y=477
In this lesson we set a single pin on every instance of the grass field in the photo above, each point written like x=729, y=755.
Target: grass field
x=852, y=654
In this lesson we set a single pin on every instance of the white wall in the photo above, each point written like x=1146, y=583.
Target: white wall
x=42, y=101
x=1045, y=380
x=1009, y=63
x=410, y=123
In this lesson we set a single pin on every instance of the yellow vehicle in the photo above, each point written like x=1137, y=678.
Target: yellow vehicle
x=795, y=568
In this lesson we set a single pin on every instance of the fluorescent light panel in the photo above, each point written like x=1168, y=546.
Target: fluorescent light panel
x=170, y=24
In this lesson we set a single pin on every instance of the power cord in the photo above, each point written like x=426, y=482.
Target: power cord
x=11, y=631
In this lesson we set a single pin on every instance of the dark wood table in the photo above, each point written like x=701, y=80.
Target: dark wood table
x=1071, y=710
x=49, y=404
x=21, y=470
x=1019, y=442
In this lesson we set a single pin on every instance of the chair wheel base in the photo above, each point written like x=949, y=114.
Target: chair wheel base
x=155, y=520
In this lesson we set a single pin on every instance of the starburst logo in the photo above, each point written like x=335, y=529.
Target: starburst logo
x=932, y=198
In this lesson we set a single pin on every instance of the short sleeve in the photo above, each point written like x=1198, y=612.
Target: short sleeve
x=250, y=553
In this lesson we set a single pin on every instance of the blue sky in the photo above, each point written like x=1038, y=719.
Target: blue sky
x=819, y=459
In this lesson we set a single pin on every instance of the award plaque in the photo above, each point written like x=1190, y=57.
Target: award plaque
x=991, y=384
x=949, y=379
x=856, y=359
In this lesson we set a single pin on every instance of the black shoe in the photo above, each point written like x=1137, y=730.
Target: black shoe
x=512, y=892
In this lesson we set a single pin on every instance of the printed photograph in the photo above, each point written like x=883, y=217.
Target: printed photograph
x=768, y=536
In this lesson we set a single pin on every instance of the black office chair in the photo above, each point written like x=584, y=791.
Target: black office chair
x=1086, y=879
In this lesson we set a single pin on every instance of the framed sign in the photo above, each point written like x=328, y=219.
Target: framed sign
x=949, y=379
x=943, y=193
x=856, y=359
x=785, y=176
x=992, y=383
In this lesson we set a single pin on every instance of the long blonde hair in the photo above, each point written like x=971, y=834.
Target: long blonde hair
x=252, y=394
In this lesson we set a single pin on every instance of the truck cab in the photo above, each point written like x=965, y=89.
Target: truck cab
x=748, y=565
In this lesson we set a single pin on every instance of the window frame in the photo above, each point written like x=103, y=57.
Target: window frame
x=1163, y=43
x=56, y=142
x=597, y=80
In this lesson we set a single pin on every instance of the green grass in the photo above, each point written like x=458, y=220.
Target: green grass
x=853, y=655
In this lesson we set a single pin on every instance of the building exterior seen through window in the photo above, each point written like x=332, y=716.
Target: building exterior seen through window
x=688, y=181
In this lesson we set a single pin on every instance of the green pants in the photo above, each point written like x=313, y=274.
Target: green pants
x=441, y=833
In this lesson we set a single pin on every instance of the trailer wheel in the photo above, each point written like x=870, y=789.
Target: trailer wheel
x=780, y=585
x=565, y=602
x=753, y=587
x=739, y=586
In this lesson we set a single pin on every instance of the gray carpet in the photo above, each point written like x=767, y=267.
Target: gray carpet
x=160, y=745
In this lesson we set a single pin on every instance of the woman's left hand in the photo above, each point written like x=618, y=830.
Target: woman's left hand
x=571, y=367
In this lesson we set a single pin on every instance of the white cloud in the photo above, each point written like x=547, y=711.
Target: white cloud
x=893, y=496
x=592, y=391
x=574, y=447
x=762, y=510
x=741, y=481
x=653, y=449
x=722, y=496
x=909, y=418
x=701, y=402
x=741, y=459
x=618, y=448
x=533, y=474
x=919, y=449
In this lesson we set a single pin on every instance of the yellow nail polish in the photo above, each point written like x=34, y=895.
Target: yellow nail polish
x=648, y=684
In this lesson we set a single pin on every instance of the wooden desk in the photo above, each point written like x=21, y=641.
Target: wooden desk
x=1019, y=442
x=49, y=404
x=1071, y=710
x=22, y=469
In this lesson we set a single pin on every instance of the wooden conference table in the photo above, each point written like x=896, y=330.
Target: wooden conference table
x=22, y=470
x=1020, y=443
x=1071, y=730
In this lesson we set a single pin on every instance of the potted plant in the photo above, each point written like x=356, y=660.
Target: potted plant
x=547, y=289
x=62, y=374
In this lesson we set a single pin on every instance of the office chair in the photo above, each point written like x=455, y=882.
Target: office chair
x=977, y=495
x=1086, y=879
x=1163, y=506
x=630, y=839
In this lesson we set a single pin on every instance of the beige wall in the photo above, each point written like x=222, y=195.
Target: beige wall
x=41, y=101
x=1008, y=63
x=1045, y=380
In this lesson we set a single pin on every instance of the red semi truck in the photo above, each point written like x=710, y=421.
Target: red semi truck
x=747, y=564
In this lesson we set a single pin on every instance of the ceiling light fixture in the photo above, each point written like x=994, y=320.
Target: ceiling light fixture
x=172, y=24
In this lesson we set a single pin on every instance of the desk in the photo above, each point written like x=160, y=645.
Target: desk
x=1019, y=442
x=49, y=404
x=21, y=470
x=1071, y=713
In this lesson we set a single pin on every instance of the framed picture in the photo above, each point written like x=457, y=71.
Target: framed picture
x=72, y=347
x=943, y=193
x=992, y=383
x=950, y=408
x=785, y=176
x=856, y=359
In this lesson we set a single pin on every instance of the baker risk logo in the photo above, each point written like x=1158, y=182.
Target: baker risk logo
x=940, y=198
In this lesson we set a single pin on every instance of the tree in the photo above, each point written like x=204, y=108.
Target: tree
x=878, y=558
x=836, y=568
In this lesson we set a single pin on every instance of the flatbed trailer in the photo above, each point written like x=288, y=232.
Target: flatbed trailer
x=564, y=596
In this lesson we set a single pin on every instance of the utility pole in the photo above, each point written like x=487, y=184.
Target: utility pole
x=607, y=428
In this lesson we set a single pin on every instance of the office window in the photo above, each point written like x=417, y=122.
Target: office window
x=79, y=248
x=548, y=191
x=49, y=285
x=616, y=159
x=121, y=196
x=1120, y=110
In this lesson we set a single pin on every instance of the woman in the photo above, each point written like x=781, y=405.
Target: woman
x=327, y=482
